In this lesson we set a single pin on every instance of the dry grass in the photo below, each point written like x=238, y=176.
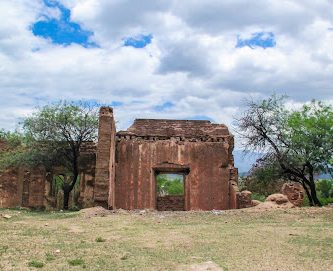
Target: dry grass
x=293, y=239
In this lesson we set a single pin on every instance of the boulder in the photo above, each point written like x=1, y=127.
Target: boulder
x=294, y=193
x=278, y=198
x=244, y=199
x=275, y=201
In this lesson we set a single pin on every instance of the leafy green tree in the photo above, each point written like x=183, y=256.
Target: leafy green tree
x=265, y=177
x=299, y=141
x=53, y=136
x=169, y=186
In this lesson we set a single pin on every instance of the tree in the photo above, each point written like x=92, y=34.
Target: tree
x=169, y=186
x=53, y=136
x=299, y=141
x=265, y=176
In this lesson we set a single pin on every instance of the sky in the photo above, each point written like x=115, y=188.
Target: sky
x=171, y=59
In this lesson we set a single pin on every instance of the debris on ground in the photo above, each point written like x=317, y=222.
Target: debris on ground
x=217, y=212
x=97, y=211
x=275, y=201
x=201, y=267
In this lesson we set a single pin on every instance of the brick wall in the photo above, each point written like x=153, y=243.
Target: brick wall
x=170, y=203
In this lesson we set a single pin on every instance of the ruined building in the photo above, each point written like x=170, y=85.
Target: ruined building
x=121, y=170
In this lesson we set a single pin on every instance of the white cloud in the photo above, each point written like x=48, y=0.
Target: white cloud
x=192, y=61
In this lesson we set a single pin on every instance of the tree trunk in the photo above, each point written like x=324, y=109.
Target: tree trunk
x=67, y=190
x=312, y=186
x=308, y=193
x=314, y=194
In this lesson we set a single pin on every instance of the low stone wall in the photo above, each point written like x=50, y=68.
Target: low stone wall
x=171, y=203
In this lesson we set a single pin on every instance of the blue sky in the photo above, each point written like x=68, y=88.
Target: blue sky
x=139, y=41
x=61, y=30
x=259, y=39
x=166, y=59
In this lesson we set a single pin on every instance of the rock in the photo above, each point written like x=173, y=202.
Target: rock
x=275, y=201
x=244, y=199
x=7, y=216
x=255, y=202
x=217, y=212
x=57, y=251
x=294, y=193
x=278, y=198
x=142, y=212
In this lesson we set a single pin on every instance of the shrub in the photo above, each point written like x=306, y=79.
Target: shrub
x=325, y=187
x=100, y=239
x=76, y=262
x=257, y=196
x=49, y=257
x=35, y=264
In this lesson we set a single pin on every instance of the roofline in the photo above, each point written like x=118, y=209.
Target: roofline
x=184, y=120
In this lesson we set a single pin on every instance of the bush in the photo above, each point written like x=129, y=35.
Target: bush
x=76, y=262
x=325, y=187
x=100, y=239
x=324, y=201
x=35, y=264
x=260, y=197
x=260, y=187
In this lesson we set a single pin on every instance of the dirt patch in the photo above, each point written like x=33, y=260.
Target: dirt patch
x=97, y=211
x=201, y=267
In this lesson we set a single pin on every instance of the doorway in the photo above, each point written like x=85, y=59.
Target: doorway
x=170, y=190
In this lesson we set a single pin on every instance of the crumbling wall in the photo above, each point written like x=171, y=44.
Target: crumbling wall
x=10, y=189
x=294, y=192
x=32, y=187
x=33, y=190
x=204, y=148
x=104, y=174
x=87, y=175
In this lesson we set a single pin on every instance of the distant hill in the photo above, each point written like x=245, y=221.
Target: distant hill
x=245, y=160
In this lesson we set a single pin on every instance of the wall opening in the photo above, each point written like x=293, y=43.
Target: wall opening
x=170, y=190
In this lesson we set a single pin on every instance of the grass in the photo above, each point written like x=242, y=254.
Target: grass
x=35, y=264
x=100, y=240
x=294, y=239
x=76, y=262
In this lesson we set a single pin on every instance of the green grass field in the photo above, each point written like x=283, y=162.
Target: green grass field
x=294, y=239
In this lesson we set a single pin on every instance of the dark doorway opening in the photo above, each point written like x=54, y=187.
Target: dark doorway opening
x=170, y=188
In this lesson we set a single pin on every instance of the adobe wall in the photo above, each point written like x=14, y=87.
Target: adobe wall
x=10, y=195
x=32, y=187
x=152, y=146
x=22, y=187
x=105, y=156
x=121, y=171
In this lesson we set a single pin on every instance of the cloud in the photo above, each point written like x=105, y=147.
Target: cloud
x=186, y=67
